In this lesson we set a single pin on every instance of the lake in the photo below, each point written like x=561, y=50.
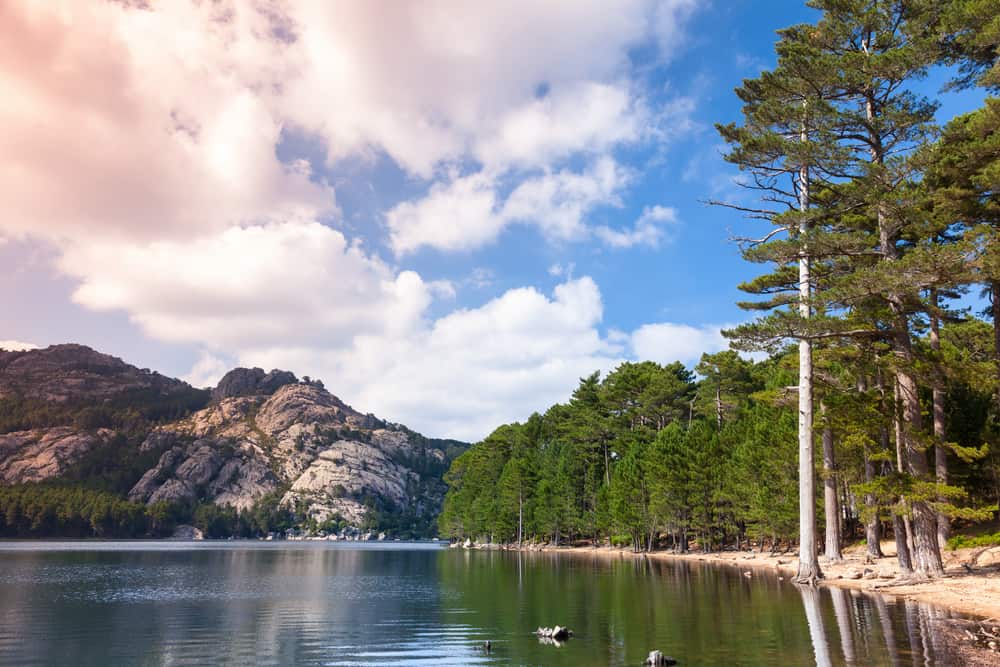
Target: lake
x=327, y=603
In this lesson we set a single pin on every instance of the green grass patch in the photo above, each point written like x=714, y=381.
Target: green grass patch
x=967, y=541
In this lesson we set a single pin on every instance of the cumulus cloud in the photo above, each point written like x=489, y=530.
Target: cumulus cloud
x=586, y=117
x=208, y=370
x=140, y=124
x=142, y=143
x=288, y=283
x=648, y=229
x=432, y=81
x=665, y=342
x=468, y=212
x=466, y=372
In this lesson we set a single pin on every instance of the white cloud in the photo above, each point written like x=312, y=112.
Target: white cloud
x=558, y=202
x=141, y=124
x=481, y=277
x=467, y=212
x=585, y=117
x=648, y=229
x=430, y=82
x=207, y=371
x=665, y=342
x=187, y=100
x=16, y=345
x=453, y=216
x=142, y=144
x=560, y=270
x=472, y=370
x=288, y=284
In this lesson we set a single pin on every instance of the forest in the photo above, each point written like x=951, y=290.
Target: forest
x=874, y=407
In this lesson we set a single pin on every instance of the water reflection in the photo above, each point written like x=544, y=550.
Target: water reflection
x=814, y=618
x=325, y=604
x=910, y=632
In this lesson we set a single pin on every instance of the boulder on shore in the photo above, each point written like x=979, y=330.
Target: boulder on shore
x=185, y=532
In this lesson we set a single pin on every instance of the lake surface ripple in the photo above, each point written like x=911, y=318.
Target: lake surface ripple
x=322, y=603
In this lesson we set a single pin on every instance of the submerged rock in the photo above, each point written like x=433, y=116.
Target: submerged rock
x=557, y=632
x=657, y=659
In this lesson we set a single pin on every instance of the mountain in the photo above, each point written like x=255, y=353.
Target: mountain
x=71, y=416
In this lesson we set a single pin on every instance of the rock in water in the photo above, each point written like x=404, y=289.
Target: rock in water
x=557, y=632
x=657, y=659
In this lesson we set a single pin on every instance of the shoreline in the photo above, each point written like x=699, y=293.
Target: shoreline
x=974, y=594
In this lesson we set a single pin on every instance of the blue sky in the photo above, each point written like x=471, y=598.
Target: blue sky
x=447, y=212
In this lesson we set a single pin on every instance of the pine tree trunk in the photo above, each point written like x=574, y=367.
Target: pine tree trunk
x=995, y=298
x=520, y=517
x=718, y=405
x=927, y=555
x=903, y=529
x=873, y=527
x=937, y=409
x=831, y=501
x=902, y=548
x=809, y=570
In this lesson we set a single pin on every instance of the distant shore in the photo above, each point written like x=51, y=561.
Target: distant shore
x=976, y=593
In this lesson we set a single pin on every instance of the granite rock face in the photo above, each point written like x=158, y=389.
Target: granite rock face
x=322, y=454
x=259, y=434
x=251, y=382
x=41, y=454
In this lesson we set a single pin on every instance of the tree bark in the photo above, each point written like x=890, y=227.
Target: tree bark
x=520, y=517
x=831, y=501
x=927, y=553
x=937, y=409
x=718, y=404
x=995, y=298
x=902, y=547
x=901, y=522
x=925, y=544
x=873, y=527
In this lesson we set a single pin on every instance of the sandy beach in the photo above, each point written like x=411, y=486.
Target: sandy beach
x=975, y=592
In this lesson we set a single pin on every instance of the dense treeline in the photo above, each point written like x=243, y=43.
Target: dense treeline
x=65, y=510
x=129, y=411
x=877, y=227
x=655, y=457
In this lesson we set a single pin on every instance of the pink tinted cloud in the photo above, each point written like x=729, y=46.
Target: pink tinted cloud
x=109, y=128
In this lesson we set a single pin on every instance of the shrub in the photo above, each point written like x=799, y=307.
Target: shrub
x=966, y=541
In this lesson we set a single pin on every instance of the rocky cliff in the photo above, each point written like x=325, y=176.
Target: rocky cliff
x=67, y=412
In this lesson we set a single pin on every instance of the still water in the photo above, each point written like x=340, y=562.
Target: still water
x=153, y=603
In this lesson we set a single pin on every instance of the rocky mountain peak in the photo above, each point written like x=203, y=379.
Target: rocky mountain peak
x=71, y=372
x=68, y=410
x=251, y=382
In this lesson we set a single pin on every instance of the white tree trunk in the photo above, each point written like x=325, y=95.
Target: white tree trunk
x=831, y=500
x=809, y=570
x=937, y=408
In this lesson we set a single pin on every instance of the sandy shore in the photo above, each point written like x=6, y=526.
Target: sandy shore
x=976, y=593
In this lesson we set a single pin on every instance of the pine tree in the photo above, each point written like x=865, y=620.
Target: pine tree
x=787, y=146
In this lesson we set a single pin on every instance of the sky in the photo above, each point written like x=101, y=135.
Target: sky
x=447, y=211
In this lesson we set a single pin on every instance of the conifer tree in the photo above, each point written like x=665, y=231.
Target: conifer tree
x=786, y=146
